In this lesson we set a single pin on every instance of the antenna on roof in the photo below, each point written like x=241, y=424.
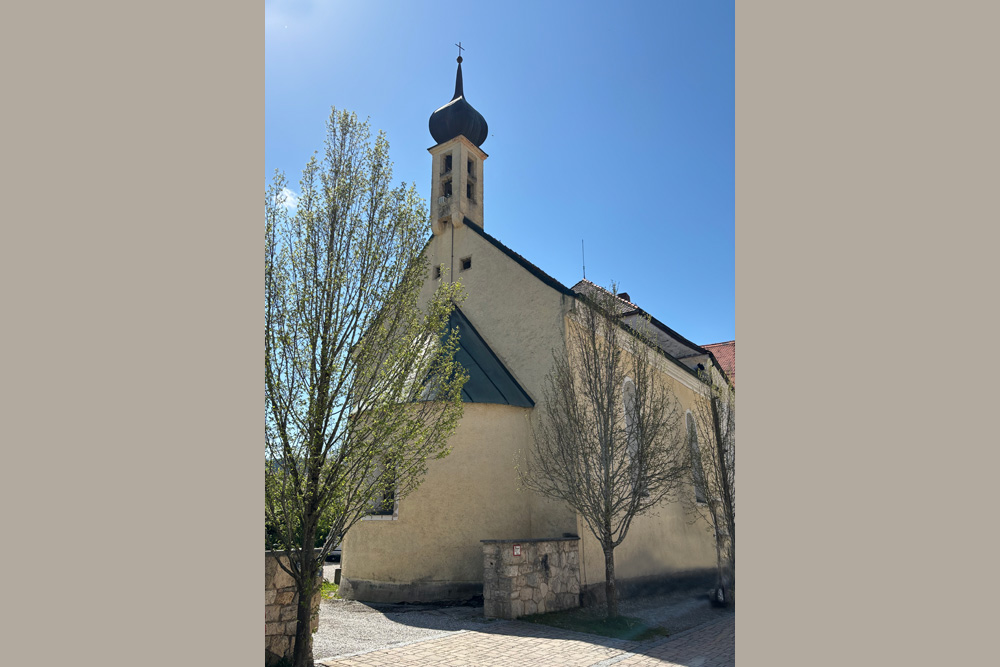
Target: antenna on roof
x=583, y=255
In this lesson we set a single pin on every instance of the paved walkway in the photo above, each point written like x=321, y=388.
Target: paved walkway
x=516, y=643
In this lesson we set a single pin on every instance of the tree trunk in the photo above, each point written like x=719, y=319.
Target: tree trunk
x=727, y=498
x=610, y=590
x=718, y=558
x=303, y=656
x=303, y=653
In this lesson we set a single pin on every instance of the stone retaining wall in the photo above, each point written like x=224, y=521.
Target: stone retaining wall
x=544, y=577
x=280, y=608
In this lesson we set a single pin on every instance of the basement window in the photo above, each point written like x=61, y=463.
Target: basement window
x=466, y=263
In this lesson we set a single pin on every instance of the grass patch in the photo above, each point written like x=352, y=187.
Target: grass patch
x=593, y=622
x=329, y=591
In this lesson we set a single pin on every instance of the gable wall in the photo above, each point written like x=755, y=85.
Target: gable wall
x=518, y=316
x=432, y=550
x=522, y=320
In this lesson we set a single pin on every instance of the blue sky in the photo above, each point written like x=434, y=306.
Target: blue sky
x=609, y=122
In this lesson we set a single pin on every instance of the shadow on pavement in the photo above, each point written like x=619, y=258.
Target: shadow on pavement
x=678, y=613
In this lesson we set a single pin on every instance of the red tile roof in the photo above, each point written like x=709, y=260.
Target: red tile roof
x=725, y=354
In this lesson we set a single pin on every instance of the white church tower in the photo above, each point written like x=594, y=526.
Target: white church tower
x=457, y=164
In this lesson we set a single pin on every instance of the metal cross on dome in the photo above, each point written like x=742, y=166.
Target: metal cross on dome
x=460, y=49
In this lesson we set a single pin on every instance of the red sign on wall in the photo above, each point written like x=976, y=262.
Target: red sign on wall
x=517, y=549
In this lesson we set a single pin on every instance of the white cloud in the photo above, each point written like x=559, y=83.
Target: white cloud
x=291, y=199
x=297, y=13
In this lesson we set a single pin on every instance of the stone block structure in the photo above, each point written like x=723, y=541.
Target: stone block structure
x=280, y=609
x=535, y=576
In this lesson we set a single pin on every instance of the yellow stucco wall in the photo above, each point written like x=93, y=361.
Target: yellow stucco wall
x=466, y=497
x=522, y=321
x=664, y=542
x=517, y=315
x=473, y=493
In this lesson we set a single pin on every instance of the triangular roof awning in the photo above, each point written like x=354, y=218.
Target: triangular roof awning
x=489, y=380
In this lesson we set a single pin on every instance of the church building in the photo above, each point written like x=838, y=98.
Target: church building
x=514, y=316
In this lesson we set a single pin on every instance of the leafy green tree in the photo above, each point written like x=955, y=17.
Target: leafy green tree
x=610, y=440
x=359, y=378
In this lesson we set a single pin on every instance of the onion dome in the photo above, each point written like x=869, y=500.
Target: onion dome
x=458, y=117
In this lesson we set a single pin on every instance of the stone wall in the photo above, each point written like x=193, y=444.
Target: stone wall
x=280, y=608
x=544, y=577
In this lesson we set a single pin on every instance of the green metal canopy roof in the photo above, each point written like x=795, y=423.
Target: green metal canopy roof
x=489, y=380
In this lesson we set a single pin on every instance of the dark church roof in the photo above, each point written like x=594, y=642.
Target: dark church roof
x=680, y=347
x=584, y=287
x=627, y=308
x=489, y=380
x=458, y=117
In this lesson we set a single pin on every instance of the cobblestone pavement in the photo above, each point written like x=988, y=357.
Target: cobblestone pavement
x=709, y=645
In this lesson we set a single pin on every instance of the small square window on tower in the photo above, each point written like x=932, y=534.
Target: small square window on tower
x=466, y=263
x=446, y=188
x=447, y=163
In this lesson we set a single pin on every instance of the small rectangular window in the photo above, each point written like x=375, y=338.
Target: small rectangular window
x=466, y=263
x=468, y=190
x=447, y=163
x=386, y=504
x=469, y=166
x=446, y=188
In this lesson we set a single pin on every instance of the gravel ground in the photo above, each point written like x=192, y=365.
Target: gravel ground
x=347, y=626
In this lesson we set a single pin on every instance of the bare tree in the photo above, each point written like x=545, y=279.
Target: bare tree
x=360, y=387
x=711, y=452
x=610, y=439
